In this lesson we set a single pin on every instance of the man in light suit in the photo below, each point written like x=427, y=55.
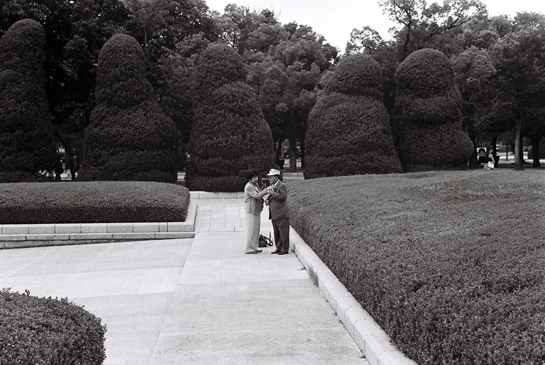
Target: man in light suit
x=279, y=212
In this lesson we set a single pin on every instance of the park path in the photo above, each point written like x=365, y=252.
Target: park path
x=191, y=301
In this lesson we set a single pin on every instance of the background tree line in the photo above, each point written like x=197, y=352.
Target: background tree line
x=286, y=62
x=499, y=63
x=498, y=60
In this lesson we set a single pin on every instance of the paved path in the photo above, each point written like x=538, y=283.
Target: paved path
x=191, y=301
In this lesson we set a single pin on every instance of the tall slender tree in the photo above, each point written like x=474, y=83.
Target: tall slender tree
x=26, y=136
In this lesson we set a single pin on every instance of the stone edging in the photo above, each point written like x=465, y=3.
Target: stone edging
x=371, y=339
x=34, y=235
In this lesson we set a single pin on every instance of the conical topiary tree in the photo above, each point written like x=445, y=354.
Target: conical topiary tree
x=349, y=128
x=129, y=137
x=229, y=135
x=428, y=115
x=26, y=137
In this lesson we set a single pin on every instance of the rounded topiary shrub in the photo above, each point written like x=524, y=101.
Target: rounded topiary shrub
x=230, y=134
x=26, y=137
x=357, y=75
x=48, y=331
x=349, y=128
x=428, y=114
x=129, y=137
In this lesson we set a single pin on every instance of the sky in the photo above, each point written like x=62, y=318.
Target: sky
x=335, y=19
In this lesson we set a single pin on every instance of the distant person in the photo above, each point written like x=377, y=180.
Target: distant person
x=489, y=161
x=75, y=167
x=253, y=205
x=279, y=212
x=58, y=169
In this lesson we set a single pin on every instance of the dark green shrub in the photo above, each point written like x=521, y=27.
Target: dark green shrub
x=48, y=331
x=356, y=75
x=428, y=114
x=26, y=136
x=217, y=66
x=449, y=283
x=129, y=136
x=230, y=134
x=93, y=202
x=349, y=128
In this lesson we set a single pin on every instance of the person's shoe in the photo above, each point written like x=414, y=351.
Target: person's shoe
x=251, y=252
x=275, y=252
x=283, y=253
x=258, y=251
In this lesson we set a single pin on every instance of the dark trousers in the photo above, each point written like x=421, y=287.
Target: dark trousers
x=281, y=229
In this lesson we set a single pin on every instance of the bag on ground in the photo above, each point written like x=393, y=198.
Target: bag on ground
x=264, y=241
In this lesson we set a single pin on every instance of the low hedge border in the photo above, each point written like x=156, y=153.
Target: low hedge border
x=46, y=331
x=92, y=202
x=373, y=342
x=443, y=261
x=35, y=235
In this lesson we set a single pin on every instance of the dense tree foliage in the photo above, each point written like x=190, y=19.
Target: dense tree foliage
x=26, y=136
x=484, y=51
x=349, y=128
x=75, y=32
x=430, y=25
x=129, y=137
x=475, y=80
x=286, y=64
x=230, y=135
x=289, y=64
x=428, y=125
x=521, y=72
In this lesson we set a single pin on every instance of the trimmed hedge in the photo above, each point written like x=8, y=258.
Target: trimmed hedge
x=349, y=128
x=230, y=135
x=357, y=74
x=48, y=331
x=26, y=135
x=129, y=136
x=92, y=202
x=437, y=260
x=428, y=115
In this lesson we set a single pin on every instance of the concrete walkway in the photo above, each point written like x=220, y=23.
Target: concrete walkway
x=191, y=301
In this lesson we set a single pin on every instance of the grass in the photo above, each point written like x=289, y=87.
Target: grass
x=92, y=202
x=450, y=264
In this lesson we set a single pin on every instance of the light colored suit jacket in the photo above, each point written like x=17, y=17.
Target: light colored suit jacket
x=253, y=199
x=278, y=205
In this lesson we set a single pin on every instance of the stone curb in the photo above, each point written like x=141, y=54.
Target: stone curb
x=209, y=195
x=35, y=235
x=373, y=342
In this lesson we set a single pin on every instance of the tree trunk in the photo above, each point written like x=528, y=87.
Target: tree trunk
x=302, y=152
x=535, y=149
x=473, y=158
x=279, y=161
x=146, y=50
x=522, y=160
x=518, y=146
x=293, y=155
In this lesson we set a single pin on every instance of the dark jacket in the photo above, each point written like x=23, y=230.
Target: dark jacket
x=278, y=204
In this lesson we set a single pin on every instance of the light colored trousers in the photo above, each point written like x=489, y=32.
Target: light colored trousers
x=253, y=222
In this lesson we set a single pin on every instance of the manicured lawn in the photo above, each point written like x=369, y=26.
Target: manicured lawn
x=450, y=264
x=92, y=202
